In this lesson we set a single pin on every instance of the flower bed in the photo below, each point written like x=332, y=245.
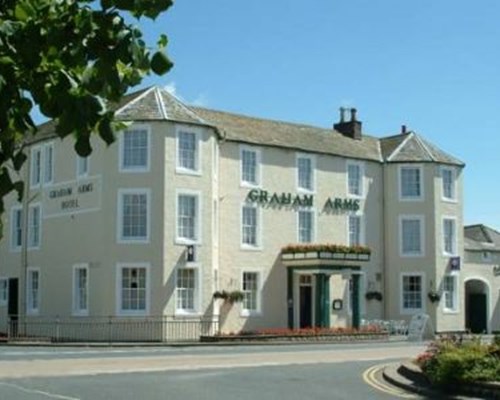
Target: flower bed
x=452, y=360
x=293, y=335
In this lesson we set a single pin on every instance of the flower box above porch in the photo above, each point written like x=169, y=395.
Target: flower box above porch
x=323, y=253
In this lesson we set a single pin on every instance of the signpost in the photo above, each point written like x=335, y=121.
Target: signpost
x=417, y=327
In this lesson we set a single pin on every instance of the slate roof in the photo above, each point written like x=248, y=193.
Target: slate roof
x=152, y=104
x=481, y=237
x=259, y=131
x=411, y=147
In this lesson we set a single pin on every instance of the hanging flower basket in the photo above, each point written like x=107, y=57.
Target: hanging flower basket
x=373, y=295
x=234, y=296
x=433, y=296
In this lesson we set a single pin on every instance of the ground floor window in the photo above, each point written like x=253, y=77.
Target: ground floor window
x=450, y=293
x=251, y=293
x=133, y=289
x=411, y=293
x=186, y=290
x=80, y=289
x=33, y=291
x=4, y=291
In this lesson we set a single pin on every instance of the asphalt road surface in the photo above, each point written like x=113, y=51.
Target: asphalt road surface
x=210, y=373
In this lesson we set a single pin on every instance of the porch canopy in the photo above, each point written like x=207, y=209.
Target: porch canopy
x=322, y=261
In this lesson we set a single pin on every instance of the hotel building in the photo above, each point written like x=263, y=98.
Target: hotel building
x=190, y=202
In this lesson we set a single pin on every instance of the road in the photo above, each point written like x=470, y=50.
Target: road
x=209, y=373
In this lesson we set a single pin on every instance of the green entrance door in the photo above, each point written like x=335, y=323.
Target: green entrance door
x=305, y=310
x=476, y=313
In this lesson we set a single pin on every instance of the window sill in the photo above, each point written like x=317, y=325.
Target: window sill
x=448, y=311
x=412, y=255
x=141, y=170
x=249, y=185
x=250, y=248
x=410, y=199
x=133, y=241
x=187, y=313
x=247, y=313
x=80, y=314
x=412, y=311
x=183, y=171
x=138, y=313
x=187, y=242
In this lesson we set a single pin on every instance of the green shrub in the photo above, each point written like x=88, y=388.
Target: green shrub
x=449, y=362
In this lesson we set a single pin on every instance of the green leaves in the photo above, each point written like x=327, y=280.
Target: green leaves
x=71, y=59
x=160, y=64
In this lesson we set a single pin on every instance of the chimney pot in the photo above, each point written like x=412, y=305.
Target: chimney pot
x=353, y=115
x=403, y=128
x=342, y=114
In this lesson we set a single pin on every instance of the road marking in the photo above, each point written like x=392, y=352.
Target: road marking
x=34, y=391
x=370, y=379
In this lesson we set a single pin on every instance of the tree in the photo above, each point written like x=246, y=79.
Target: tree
x=71, y=58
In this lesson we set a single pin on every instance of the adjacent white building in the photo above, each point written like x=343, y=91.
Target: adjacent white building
x=109, y=235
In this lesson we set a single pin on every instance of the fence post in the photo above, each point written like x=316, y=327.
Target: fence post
x=57, y=329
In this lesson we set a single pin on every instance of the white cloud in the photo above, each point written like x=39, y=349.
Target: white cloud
x=200, y=100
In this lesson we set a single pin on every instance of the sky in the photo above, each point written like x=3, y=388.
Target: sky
x=433, y=65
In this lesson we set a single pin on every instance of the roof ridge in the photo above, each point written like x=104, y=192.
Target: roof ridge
x=236, y=114
x=400, y=146
x=161, y=104
x=426, y=148
x=133, y=101
x=186, y=108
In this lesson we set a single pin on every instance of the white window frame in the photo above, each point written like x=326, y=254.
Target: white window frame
x=29, y=299
x=198, y=218
x=258, y=167
x=14, y=246
x=80, y=162
x=197, y=156
x=455, y=238
x=421, y=220
x=453, y=198
x=245, y=312
x=455, y=309
x=120, y=216
x=4, y=291
x=361, y=166
x=258, y=230
x=48, y=170
x=312, y=158
x=121, y=158
x=36, y=170
x=197, y=291
x=31, y=245
x=312, y=211
x=119, y=276
x=421, y=182
x=76, y=310
x=362, y=240
x=411, y=311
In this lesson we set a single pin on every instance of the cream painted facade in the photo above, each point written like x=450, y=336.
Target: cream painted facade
x=169, y=207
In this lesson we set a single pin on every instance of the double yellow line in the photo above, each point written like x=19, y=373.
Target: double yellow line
x=369, y=376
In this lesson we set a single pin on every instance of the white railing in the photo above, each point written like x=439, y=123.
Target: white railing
x=392, y=327
x=111, y=329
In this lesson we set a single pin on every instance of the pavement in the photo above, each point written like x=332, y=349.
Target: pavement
x=409, y=377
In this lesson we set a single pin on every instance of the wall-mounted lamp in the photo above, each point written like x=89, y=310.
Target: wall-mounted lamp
x=190, y=254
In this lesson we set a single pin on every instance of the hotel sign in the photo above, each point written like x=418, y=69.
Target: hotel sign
x=265, y=198
x=72, y=197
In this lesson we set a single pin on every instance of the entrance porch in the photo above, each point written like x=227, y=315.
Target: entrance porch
x=308, y=286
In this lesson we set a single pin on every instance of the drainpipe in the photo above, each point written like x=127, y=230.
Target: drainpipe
x=24, y=239
x=384, y=244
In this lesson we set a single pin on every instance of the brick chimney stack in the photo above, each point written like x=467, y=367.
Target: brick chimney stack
x=352, y=128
